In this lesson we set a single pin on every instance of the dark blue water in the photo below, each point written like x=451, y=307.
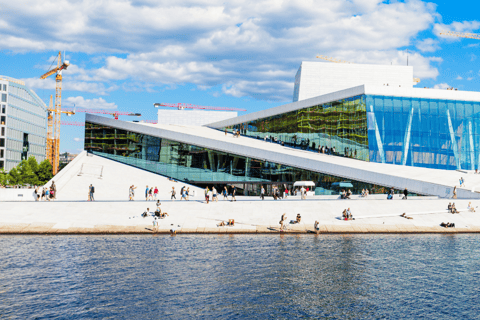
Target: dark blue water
x=240, y=276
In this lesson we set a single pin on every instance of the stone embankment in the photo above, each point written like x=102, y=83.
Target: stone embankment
x=251, y=215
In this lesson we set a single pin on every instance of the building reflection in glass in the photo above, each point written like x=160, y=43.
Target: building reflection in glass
x=200, y=165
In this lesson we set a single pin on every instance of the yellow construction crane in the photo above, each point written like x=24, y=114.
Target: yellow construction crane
x=461, y=34
x=54, y=115
x=416, y=80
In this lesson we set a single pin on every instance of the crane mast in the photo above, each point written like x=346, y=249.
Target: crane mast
x=54, y=115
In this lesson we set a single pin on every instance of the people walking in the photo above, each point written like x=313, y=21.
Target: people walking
x=183, y=193
x=454, y=192
x=262, y=193
x=53, y=188
x=225, y=193
x=146, y=193
x=173, y=192
x=91, y=192
x=207, y=195
x=155, y=193
x=188, y=193
x=234, y=193
x=214, y=194
x=131, y=192
x=405, y=194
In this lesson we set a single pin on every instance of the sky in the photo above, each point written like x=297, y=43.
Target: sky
x=128, y=55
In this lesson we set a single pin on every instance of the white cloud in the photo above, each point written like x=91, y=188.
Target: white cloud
x=459, y=78
x=248, y=48
x=456, y=26
x=77, y=139
x=80, y=102
x=441, y=86
x=469, y=78
x=428, y=45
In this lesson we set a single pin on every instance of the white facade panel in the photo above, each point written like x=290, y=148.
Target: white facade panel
x=318, y=78
x=193, y=117
x=24, y=120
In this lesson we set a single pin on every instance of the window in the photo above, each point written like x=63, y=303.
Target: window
x=3, y=131
x=2, y=142
x=4, y=108
x=1, y=153
x=4, y=87
x=4, y=97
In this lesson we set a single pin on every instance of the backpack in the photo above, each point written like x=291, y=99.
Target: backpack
x=93, y=189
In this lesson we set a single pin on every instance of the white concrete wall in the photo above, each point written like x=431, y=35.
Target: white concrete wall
x=318, y=78
x=72, y=181
x=193, y=117
x=17, y=194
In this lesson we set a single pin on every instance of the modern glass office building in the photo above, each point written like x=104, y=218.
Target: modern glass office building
x=205, y=166
x=23, y=123
x=404, y=130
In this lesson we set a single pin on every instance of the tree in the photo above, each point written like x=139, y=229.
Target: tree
x=27, y=175
x=14, y=177
x=32, y=161
x=3, y=177
x=44, y=172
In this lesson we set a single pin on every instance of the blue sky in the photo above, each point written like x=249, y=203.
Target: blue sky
x=127, y=55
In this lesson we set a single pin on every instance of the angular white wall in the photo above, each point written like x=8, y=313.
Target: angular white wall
x=318, y=78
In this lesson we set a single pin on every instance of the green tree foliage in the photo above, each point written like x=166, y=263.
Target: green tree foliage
x=29, y=172
x=3, y=177
x=32, y=162
x=14, y=177
x=27, y=175
x=44, y=172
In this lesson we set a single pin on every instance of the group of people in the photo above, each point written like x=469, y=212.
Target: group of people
x=347, y=214
x=365, y=193
x=46, y=193
x=213, y=194
x=346, y=195
x=283, y=218
x=451, y=208
x=151, y=193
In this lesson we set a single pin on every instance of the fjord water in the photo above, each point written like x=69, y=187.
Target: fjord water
x=240, y=276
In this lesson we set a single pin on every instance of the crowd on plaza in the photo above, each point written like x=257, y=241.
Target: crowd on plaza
x=46, y=193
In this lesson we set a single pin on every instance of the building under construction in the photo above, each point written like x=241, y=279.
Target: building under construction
x=23, y=123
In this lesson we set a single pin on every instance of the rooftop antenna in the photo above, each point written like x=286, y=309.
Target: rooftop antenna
x=407, y=57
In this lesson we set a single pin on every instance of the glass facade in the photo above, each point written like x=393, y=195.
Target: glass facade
x=432, y=133
x=198, y=165
x=340, y=126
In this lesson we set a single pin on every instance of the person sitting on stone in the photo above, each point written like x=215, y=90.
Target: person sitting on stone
x=454, y=209
x=231, y=222
x=349, y=194
x=316, y=225
x=449, y=208
x=145, y=214
x=222, y=224
x=343, y=194
x=349, y=214
x=299, y=218
x=344, y=214
x=470, y=207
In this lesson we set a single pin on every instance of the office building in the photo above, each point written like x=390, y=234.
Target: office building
x=23, y=123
